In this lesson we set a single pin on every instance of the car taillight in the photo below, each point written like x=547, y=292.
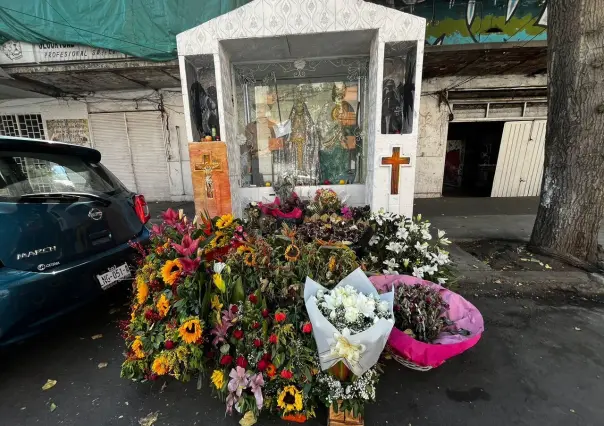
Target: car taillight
x=141, y=208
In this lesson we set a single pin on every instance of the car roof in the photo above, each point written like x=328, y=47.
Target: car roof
x=11, y=143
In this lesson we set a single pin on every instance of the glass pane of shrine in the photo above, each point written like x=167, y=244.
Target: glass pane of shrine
x=202, y=97
x=398, y=87
x=303, y=118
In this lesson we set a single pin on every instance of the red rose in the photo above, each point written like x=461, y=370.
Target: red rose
x=169, y=344
x=257, y=343
x=307, y=328
x=241, y=362
x=267, y=357
x=326, y=182
x=255, y=325
x=238, y=334
x=262, y=364
x=253, y=299
x=148, y=314
x=273, y=339
x=226, y=360
x=286, y=374
x=280, y=317
x=234, y=309
x=265, y=313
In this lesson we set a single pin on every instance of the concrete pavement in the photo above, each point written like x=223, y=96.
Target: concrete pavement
x=539, y=363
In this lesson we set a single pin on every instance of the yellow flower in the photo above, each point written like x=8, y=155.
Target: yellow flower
x=292, y=253
x=163, y=306
x=290, y=399
x=244, y=249
x=142, y=291
x=160, y=366
x=249, y=259
x=190, y=331
x=219, y=282
x=332, y=263
x=137, y=348
x=170, y=272
x=218, y=379
x=216, y=303
x=224, y=221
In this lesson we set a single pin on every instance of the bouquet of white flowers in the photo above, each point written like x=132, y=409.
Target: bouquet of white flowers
x=351, y=323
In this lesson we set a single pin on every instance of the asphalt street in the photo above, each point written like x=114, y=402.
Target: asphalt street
x=539, y=363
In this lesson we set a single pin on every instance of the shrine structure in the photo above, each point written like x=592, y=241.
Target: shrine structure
x=325, y=91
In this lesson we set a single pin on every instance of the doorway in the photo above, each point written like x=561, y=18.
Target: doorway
x=471, y=158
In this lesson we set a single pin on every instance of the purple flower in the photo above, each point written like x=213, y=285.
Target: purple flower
x=256, y=383
x=346, y=212
x=220, y=332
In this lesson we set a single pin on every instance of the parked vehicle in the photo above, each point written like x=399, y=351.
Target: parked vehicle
x=65, y=227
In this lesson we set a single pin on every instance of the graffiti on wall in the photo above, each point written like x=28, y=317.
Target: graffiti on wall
x=478, y=21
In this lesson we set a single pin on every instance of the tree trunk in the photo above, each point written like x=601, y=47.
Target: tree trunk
x=572, y=192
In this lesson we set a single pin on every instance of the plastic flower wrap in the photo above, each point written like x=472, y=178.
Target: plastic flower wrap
x=351, y=323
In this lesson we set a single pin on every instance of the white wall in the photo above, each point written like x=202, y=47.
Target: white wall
x=181, y=187
x=434, y=124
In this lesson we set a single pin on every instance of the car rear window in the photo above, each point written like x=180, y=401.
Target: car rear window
x=23, y=173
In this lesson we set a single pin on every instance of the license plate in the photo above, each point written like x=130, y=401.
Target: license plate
x=113, y=276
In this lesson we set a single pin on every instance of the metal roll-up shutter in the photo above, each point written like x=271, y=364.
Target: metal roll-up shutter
x=111, y=139
x=145, y=132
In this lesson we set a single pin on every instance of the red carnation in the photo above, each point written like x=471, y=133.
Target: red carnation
x=273, y=339
x=241, y=362
x=265, y=313
x=286, y=374
x=252, y=298
x=257, y=343
x=262, y=364
x=280, y=317
x=149, y=315
x=234, y=309
x=267, y=357
x=255, y=325
x=307, y=328
x=226, y=360
x=169, y=344
x=238, y=334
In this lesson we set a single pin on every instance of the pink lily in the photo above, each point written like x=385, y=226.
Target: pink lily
x=189, y=266
x=220, y=332
x=170, y=217
x=187, y=247
x=157, y=229
x=256, y=383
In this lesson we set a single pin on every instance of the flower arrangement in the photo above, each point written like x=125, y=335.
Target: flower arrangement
x=401, y=245
x=419, y=311
x=326, y=201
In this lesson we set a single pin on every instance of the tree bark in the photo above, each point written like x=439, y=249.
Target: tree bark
x=572, y=193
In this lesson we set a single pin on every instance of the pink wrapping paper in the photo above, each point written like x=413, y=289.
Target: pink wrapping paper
x=463, y=313
x=273, y=209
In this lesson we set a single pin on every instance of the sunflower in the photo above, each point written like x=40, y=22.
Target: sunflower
x=163, y=306
x=244, y=249
x=142, y=290
x=224, y=221
x=332, y=263
x=219, y=282
x=290, y=399
x=292, y=253
x=218, y=379
x=171, y=270
x=160, y=366
x=137, y=348
x=249, y=259
x=190, y=330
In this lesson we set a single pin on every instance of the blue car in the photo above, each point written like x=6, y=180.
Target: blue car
x=66, y=223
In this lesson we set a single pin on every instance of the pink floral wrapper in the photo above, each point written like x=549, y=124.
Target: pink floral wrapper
x=463, y=313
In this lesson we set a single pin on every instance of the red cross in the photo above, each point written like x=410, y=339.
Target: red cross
x=395, y=162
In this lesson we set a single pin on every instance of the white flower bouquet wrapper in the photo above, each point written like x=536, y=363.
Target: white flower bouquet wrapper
x=359, y=352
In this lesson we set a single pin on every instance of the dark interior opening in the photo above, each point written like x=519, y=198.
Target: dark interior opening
x=471, y=158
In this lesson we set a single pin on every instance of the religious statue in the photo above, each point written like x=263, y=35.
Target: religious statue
x=301, y=150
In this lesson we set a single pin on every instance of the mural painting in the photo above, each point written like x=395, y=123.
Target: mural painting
x=478, y=21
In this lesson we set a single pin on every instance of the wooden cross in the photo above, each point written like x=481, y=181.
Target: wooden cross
x=395, y=162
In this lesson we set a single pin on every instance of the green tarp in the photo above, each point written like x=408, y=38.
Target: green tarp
x=142, y=28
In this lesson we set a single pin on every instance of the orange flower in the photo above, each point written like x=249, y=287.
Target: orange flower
x=271, y=370
x=163, y=306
